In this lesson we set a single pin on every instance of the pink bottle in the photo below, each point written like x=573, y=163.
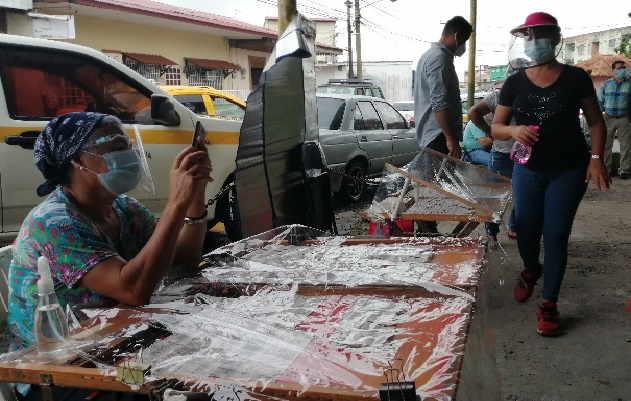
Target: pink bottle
x=520, y=153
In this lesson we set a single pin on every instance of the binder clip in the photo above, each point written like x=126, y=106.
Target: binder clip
x=394, y=389
x=133, y=372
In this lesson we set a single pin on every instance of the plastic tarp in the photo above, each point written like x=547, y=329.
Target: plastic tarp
x=413, y=311
x=434, y=184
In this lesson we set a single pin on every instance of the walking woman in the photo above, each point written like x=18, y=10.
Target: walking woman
x=545, y=98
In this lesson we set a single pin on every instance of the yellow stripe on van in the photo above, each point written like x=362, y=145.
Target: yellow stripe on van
x=153, y=136
x=182, y=137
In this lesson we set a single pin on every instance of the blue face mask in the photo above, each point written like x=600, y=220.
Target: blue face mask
x=539, y=49
x=621, y=74
x=124, y=171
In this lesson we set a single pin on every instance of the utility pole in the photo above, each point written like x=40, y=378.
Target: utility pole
x=286, y=12
x=358, y=41
x=351, y=74
x=472, y=49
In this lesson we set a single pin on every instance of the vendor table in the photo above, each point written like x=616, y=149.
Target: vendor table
x=436, y=187
x=296, y=320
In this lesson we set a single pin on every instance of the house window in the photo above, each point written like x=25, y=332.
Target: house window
x=206, y=77
x=173, y=76
x=612, y=43
x=149, y=71
x=580, y=49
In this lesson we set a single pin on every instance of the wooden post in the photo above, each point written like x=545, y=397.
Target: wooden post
x=286, y=12
x=351, y=74
x=472, y=50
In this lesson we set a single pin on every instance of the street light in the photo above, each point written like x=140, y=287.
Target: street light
x=358, y=39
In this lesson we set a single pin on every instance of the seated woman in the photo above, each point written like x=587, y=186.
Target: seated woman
x=476, y=145
x=103, y=246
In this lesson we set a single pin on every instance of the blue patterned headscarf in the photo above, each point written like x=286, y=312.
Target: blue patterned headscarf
x=57, y=144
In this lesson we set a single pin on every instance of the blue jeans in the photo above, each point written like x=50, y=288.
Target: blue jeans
x=501, y=164
x=546, y=204
x=478, y=156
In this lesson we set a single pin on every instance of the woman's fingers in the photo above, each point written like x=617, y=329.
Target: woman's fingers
x=177, y=162
x=194, y=158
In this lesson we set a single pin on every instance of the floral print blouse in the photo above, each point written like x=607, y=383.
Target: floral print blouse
x=73, y=244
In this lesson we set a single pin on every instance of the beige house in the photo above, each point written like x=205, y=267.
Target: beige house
x=169, y=44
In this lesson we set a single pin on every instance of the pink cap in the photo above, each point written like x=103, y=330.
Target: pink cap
x=537, y=19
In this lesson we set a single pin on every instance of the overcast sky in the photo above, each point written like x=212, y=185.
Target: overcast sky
x=402, y=30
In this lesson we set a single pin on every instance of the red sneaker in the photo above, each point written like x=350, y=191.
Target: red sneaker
x=549, y=321
x=525, y=285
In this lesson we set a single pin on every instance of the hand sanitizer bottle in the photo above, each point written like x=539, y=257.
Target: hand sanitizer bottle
x=520, y=153
x=51, y=324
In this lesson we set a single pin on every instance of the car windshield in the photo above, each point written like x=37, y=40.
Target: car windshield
x=330, y=112
x=403, y=106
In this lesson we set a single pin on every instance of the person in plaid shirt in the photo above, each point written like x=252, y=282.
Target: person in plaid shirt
x=614, y=97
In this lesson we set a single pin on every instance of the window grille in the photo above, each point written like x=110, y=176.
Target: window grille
x=173, y=76
x=199, y=77
x=149, y=71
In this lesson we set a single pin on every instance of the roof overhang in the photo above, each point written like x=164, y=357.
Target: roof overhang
x=143, y=12
x=150, y=59
x=213, y=64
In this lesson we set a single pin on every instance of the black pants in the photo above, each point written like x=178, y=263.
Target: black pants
x=439, y=144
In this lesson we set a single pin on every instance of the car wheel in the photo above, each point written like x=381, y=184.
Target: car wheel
x=226, y=210
x=353, y=189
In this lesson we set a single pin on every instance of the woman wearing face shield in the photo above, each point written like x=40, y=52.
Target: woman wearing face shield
x=545, y=99
x=103, y=246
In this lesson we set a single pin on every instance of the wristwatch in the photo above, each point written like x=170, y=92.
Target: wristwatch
x=595, y=156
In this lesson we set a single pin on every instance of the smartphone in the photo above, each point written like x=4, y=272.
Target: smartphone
x=199, y=132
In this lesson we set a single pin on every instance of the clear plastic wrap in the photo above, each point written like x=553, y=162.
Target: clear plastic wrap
x=256, y=324
x=435, y=186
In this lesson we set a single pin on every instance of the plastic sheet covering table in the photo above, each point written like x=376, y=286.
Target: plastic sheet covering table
x=437, y=187
x=293, y=322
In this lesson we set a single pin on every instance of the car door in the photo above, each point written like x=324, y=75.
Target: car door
x=372, y=136
x=404, y=144
x=339, y=143
x=41, y=83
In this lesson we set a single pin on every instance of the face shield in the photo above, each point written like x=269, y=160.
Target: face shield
x=533, y=46
x=128, y=170
x=145, y=186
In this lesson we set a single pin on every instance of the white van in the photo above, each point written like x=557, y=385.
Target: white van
x=41, y=79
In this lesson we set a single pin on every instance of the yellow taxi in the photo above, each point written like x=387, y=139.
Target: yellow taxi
x=207, y=101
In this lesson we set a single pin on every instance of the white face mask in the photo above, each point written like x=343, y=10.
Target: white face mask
x=460, y=49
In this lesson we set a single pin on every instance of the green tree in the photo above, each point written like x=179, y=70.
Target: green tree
x=625, y=46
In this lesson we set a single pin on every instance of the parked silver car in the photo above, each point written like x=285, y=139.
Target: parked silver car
x=358, y=135
x=406, y=108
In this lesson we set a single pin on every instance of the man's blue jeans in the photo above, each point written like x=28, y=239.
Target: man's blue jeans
x=478, y=156
x=501, y=164
x=546, y=204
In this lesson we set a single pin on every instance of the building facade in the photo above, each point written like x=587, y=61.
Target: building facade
x=394, y=77
x=168, y=44
x=582, y=47
x=482, y=78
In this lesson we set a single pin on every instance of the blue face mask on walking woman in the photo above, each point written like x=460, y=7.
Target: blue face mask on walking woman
x=539, y=49
x=124, y=171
